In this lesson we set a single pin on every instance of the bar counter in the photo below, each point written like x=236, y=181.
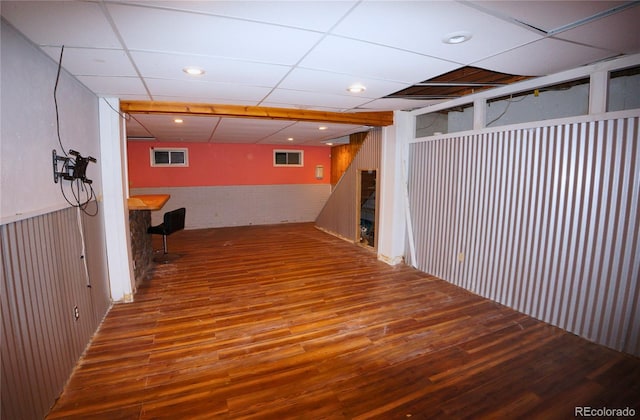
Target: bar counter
x=140, y=208
x=148, y=201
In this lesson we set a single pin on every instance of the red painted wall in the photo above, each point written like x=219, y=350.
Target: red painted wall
x=214, y=164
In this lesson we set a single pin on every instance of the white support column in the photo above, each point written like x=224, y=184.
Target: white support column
x=479, y=113
x=598, y=86
x=392, y=222
x=116, y=213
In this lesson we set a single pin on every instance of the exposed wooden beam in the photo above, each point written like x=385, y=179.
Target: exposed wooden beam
x=374, y=119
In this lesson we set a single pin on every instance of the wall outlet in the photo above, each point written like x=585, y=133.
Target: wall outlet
x=461, y=256
x=76, y=313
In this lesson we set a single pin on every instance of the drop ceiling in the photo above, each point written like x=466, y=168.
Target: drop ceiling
x=304, y=55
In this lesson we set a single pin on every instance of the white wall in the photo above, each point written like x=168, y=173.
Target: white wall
x=52, y=250
x=242, y=205
x=393, y=220
x=28, y=128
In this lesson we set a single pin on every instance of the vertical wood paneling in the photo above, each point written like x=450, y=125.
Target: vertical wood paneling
x=544, y=219
x=339, y=214
x=43, y=278
x=342, y=155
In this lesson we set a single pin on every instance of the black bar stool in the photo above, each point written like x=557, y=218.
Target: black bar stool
x=173, y=222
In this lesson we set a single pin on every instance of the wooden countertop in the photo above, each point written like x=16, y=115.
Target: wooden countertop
x=147, y=202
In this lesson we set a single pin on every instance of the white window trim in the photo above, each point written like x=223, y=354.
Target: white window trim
x=152, y=150
x=280, y=165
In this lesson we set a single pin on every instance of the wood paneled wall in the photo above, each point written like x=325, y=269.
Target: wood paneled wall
x=342, y=155
x=339, y=215
x=44, y=278
x=542, y=219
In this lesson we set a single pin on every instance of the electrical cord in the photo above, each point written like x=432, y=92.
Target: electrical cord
x=55, y=101
x=435, y=119
x=509, y=101
x=82, y=205
x=124, y=116
x=89, y=193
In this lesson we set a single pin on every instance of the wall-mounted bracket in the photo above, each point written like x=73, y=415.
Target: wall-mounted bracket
x=64, y=170
x=72, y=167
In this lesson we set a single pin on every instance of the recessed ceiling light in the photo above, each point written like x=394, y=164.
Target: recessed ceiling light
x=290, y=139
x=329, y=144
x=322, y=127
x=456, y=37
x=357, y=88
x=178, y=120
x=193, y=71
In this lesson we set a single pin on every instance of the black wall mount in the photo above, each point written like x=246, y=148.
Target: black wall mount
x=71, y=167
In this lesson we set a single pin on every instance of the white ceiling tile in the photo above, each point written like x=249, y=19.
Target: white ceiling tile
x=296, y=106
x=531, y=59
x=93, y=62
x=129, y=97
x=340, y=140
x=332, y=129
x=199, y=100
x=164, y=128
x=73, y=24
x=146, y=29
x=275, y=53
x=398, y=103
x=337, y=84
x=114, y=86
x=420, y=26
x=618, y=32
x=209, y=92
x=245, y=130
x=170, y=66
x=312, y=15
x=302, y=100
x=310, y=133
x=136, y=130
x=547, y=15
x=340, y=55
x=253, y=125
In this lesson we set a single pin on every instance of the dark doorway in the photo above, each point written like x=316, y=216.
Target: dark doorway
x=367, y=212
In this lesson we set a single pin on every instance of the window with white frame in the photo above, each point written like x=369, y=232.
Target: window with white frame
x=169, y=156
x=288, y=158
x=624, y=89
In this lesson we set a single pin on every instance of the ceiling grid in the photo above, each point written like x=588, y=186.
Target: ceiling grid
x=304, y=55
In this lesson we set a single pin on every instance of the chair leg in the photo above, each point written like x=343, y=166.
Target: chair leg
x=165, y=257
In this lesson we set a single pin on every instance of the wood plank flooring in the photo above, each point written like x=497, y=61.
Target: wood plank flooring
x=289, y=322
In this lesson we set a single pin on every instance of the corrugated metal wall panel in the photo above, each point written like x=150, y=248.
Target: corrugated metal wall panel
x=43, y=279
x=96, y=262
x=544, y=220
x=340, y=213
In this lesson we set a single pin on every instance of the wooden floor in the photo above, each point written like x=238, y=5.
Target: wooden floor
x=289, y=322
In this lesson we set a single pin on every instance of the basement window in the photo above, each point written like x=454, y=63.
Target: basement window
x=567, y=99
x=451, y=120
x=288, y=158
x=624, y=89
x=169, y=156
